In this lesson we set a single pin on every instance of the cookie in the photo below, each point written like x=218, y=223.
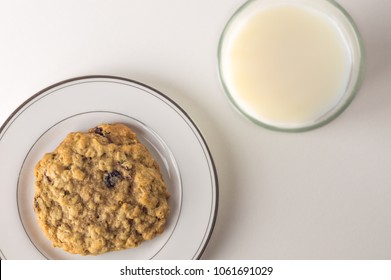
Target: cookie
x=100, y=191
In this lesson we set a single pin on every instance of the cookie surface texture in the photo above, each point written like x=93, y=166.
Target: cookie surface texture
x=100, y=191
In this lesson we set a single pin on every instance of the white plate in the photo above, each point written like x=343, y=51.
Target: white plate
x=39, y=125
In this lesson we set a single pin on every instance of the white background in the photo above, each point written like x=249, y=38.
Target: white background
x=323, y=194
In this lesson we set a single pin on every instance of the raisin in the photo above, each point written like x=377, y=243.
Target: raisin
x=98, y=130
x=47, y=178
x=145, y=210
x=112, y=178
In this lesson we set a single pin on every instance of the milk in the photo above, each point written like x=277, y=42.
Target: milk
x=285, y=64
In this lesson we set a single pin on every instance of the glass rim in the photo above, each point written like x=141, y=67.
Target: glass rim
x=357, y=64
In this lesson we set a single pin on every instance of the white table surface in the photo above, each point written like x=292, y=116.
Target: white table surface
x=323, y=194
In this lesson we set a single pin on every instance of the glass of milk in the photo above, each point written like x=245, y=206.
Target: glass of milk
x=290, y=65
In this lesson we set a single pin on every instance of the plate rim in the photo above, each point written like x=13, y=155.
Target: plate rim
x=8, y=123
